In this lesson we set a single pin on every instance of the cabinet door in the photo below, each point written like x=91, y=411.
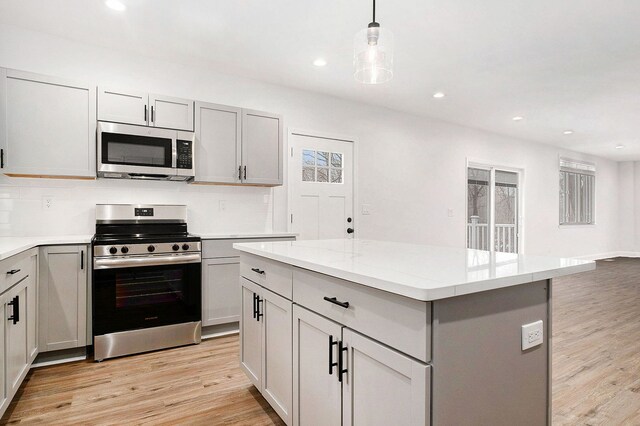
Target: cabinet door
x=277, y=343
x=50, y=126
x=16, y=336
x=4, y=401
x=220, y=295
x=218, y=130
x=121, y=106
x=317, y=392
x=63, y=298
x=261, y=148
x=171, y=113
x=383, y=387
x=250, y=333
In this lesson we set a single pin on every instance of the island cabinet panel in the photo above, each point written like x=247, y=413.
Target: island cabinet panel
x=373, y=312
x=477, y=342
x=272, y=275
x=383, y=387
x=220, y=297
x=317, y=391
x=266, y=345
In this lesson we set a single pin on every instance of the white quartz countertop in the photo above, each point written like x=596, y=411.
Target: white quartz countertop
x=244, y=235
x=10, y=246
x=420, y=272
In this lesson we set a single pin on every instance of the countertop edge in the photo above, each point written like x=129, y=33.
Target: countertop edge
x=33, y=242
x=425, y=295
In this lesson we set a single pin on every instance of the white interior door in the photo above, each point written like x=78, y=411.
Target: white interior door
x=321, y=187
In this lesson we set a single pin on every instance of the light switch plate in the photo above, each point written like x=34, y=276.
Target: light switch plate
x=532, y=334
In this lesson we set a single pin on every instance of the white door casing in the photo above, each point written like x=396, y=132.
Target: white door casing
x=321, y=186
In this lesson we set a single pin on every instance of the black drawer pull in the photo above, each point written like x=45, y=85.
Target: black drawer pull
x=258, y=313
x=336, y=302
x=13, y=271
x=255, y=304
x=332, y=364
x=258, y=271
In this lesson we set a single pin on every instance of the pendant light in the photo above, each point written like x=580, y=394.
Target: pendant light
x=373, y=53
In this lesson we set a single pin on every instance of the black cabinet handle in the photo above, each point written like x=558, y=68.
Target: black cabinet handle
x=341, y=369
x=255, y=312
x=145, y=113
x=337, y=302
x=239, y=172
x=13, y=271
x=245, y=172
x=152, y=115
x=1, y=158
x=258, y=271
x=258, y=313
x=332, y=364
x=15, y=302
x=81, y=259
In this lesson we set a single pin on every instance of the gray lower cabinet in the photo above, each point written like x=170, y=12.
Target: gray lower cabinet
x=47, y=125
x=63, y=297
x=19, y=311
x=342, y=377
x=220, y=301
x=266, y=345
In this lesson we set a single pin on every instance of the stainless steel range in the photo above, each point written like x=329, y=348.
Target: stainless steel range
x=146, y=280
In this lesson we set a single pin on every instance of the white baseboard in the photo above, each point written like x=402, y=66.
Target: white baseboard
x=609, y=255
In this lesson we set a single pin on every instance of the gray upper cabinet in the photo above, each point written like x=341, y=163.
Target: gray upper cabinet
x=63, y=297
x=123, y=106
x=143, y=109
x=238, y=146
x=47, y=125
x=218, y=143
x=171, y=113
x=261, y=148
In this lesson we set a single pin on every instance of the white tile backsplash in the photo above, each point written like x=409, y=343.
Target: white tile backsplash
x=72, y=212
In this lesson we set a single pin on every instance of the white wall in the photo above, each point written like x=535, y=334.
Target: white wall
x=411, y=169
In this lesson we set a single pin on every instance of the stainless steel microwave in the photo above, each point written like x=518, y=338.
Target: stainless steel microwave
x=139, y=152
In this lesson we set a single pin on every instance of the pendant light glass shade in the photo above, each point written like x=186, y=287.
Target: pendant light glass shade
x=373, y=55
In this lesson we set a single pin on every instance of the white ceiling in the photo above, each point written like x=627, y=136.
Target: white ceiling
x=569, y=64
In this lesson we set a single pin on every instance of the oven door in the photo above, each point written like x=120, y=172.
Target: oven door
x=136, y=150
x=145, y=293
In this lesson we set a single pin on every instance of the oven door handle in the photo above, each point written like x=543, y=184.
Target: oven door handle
x=135, y=261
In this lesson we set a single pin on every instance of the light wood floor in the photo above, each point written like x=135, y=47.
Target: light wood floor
x=596, y=370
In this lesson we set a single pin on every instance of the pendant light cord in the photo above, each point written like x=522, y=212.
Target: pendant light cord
x=374, y=10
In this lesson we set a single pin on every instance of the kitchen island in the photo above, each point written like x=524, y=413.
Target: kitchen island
x=371, y=332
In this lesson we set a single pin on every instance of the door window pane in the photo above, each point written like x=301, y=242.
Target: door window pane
x=308, y=157
x=323, y=174
x=322, y=166
x=506, y=204
x=322, y=159
x=478, y=203
x=308, y=174
x=336, y=160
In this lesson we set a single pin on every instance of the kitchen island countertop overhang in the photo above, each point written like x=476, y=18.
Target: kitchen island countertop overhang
x=422, y=272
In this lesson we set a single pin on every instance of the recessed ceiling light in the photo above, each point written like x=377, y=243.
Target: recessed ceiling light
x=517, y=118
x=320, y=62
x=116, y=5
x=438, y=95
x=568, y=132
x=619, y=146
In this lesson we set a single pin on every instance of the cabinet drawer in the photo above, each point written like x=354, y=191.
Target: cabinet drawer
x=224, y=248
x=374, y=313
x=272, y=275
x=20, y=265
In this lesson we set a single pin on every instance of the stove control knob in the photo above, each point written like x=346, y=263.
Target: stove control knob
x=151, y=248
x=185, y=247
x=113, y=250
x=124, y=250
x=175, y=247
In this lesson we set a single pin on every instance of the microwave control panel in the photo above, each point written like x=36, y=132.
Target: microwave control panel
x=185, y=155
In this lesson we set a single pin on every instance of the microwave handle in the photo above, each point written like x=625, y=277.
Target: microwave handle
x=145, y=113
x=174, y=150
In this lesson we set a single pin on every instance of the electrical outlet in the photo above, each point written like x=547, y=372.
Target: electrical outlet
x=222, y=205
x=532, y=334
x=47, y=202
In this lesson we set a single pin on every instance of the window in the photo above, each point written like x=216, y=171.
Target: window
x=321, y=166
x=577, y=192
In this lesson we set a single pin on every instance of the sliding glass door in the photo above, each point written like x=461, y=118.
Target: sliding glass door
x=492, y=209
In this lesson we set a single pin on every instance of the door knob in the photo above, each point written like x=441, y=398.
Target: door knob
x=349, y=220
x=349, y=230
